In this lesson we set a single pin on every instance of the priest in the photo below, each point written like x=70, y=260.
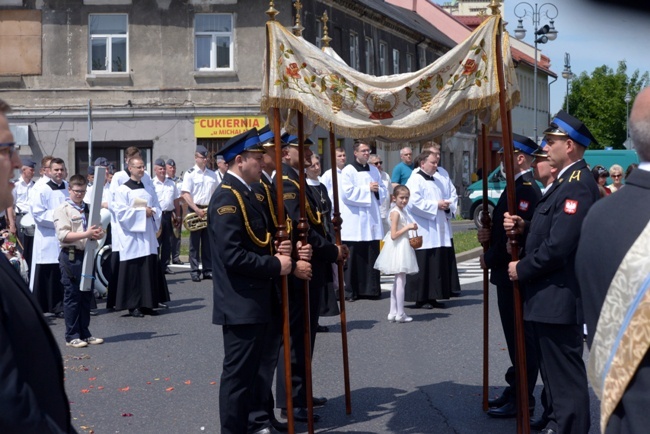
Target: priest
x=362, y=192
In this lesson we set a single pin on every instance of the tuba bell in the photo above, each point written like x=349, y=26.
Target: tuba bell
x=193, y=222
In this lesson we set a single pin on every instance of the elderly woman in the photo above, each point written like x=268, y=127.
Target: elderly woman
x=616, y=173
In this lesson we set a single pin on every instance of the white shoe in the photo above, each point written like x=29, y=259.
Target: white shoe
x=76, y=343
x=94, y=341
x=391, y=317
x=403, y=318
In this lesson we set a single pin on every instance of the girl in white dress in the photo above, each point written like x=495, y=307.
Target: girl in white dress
x=397, y=256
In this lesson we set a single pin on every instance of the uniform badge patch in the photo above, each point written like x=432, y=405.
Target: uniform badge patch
x=259, y=197
x=570, y=206
x=523, y=205
x=289, y=196
x=228, y=209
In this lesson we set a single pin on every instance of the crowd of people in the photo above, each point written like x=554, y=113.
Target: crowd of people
x=234, y=244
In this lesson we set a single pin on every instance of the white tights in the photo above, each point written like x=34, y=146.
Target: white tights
x=397, y=295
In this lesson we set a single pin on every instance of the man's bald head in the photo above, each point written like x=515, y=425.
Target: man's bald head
x=640, y=124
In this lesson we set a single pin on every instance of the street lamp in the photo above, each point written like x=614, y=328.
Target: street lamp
x=542, y=34
x=568, y=75
x=627, y=99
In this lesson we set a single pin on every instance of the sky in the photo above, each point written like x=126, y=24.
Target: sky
x=593, y=33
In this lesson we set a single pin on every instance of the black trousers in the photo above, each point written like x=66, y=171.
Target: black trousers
x=243, y=347
x=176, y=242
x=76, y=303
x=27, y=241
x=559, y=347
x=506, y=302
x=200, y=243
x=166, y=238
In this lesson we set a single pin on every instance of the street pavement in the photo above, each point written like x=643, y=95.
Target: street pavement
x=160, y=374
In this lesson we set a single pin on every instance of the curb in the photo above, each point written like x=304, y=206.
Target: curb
x=470, y=254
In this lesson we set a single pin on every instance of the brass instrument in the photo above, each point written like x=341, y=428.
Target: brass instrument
x=193, y=222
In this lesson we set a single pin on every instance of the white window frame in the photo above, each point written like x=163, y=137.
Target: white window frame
x=369, y=54
x=422, y=52
x=409, y=62
x=383, y=52
x=395, y=61
x=354, y=50
x=319, y=34
x=213, y=46
x=109, y=46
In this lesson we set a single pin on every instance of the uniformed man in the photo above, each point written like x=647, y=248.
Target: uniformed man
x=22, y=188
x=170, y=168
x=245, y=266
x=198, y=185
x=169, y=198
x=361, y=195
x=222, y=168
x=324, y=254
x=527, y=194
x=45, y=279
x=552, y=299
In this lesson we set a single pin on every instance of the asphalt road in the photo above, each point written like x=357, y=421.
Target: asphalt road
x=161, y=374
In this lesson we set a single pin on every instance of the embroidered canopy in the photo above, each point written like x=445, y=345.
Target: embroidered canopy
x=410, y=106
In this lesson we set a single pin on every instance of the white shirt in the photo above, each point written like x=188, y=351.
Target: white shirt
x=359, y=206
x=200, y=184
x=326, y=179
x=21, y=194
x=167, y=193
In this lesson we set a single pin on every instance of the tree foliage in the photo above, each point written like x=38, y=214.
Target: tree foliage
x=598, y=100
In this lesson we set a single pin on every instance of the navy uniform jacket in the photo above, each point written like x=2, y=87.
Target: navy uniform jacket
x=609, y=230
x=551, y=291
x=243, y=271
x=32, y=394
x=527, y=194
x=324, y=252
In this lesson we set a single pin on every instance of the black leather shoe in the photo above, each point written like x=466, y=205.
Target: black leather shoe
x=322, y=329
x=178, y=262
x=500, y=401
x=136, y=313
x=169, y=271
x=148, y=311
x=538, y=423
x=504, y=412
x=300, y=414
x=207, y=276
x=426, y=306
x=279, y=426
x=350, y=299
x=437, y=304
x=319, y=401
x=163, y=306
x=196, y=278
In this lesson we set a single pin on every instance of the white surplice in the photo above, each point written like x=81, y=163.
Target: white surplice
x=138, y=230
x=359, y=206
x=433, y=223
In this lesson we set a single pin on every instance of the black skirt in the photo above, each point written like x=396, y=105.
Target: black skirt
x=437, y=278
x=48, y=289
x=141, y=283
x=361, y=278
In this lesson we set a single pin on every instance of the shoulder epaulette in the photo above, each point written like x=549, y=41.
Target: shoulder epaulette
x=575, y=176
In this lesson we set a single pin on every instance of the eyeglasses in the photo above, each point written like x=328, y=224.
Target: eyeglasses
x=377, y=163
x=79, y=191
x=364, y=151
x=616, y=176
x=11, y=148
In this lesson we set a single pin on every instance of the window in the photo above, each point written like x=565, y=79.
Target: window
x=422, y=53
x=354, y=50
x=409, y=62
x=370, y=56
x=319, y=34
x=395, y=61
x=382, y=58
x=213, y=37
x=109, y=42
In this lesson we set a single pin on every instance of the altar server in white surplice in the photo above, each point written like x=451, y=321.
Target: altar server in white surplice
x=141, y=284
x=45, y=280
x=361, y=195
x=431, y=208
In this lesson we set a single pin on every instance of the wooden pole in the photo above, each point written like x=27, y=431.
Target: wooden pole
x=303, y=229
x=280, y=235
x=523, y=421
x=485, y=223
x=337, y=221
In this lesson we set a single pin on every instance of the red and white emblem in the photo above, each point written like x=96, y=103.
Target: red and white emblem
x=523, y=205
x=570, y=206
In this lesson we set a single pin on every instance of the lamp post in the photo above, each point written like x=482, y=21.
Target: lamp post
x=542, y=34
x=627, y=99
x=568, y=75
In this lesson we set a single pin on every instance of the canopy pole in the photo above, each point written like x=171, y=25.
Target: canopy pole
x=523, y=421
x=485, y=223
x=281, y=235
x=337, y=221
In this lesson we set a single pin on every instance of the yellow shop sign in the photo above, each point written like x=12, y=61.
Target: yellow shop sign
x=226, y=126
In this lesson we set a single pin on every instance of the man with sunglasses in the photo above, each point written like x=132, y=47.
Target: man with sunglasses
x=384, y=207
x=552, y=298
x=32, y=393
